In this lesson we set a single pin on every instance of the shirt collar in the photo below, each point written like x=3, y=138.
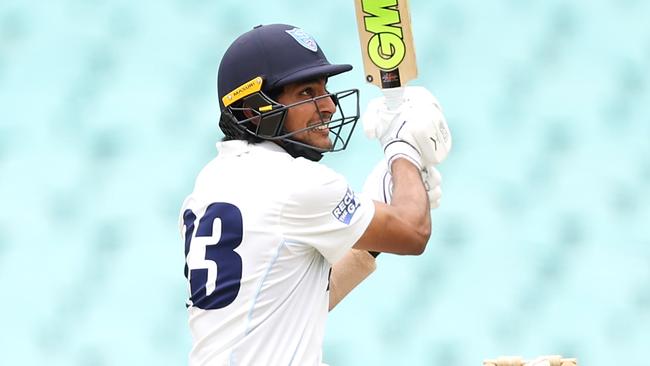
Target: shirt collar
x=236, y=147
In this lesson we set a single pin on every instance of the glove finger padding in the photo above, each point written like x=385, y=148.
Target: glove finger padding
x=427, y=125
x=377, y=118
x=379, y=184
x=387, y=126
x=418, y=124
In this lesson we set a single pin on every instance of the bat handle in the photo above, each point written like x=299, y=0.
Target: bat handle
x=394, y=97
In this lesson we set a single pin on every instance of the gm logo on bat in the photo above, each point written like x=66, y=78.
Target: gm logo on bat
x=386, y=47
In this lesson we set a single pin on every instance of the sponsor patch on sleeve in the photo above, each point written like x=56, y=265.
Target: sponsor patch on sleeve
x=346, y=208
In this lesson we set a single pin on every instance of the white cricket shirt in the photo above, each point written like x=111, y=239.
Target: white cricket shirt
x=261, y=231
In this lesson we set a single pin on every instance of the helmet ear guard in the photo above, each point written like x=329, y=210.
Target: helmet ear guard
x=271, y=125
x=268, y=125
x=246, y=113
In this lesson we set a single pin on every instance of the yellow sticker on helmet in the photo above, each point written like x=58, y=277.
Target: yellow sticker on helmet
x=245, y=89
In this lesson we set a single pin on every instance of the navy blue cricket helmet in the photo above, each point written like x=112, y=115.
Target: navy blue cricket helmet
x=253, y=71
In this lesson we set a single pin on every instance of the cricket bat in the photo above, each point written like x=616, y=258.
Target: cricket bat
x=387, y=46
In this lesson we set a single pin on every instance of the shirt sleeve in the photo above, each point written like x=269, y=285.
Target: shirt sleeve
x=322, y=211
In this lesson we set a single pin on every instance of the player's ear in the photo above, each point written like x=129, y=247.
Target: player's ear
x=247, y=110
x=249, y=114
x=254, y=103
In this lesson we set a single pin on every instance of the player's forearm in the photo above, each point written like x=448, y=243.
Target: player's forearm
x=410, y=198
x=348, y=272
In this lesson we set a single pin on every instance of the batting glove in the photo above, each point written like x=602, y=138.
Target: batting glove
x=415, y=130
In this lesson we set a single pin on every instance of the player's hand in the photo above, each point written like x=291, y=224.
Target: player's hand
x=379, y=184
x=416, y=130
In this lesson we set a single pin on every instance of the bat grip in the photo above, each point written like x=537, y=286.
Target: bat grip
x=394, y=97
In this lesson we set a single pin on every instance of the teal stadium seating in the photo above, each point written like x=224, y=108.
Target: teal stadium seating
x=541, y=245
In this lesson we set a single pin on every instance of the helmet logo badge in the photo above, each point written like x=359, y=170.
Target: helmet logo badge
x=303, y=38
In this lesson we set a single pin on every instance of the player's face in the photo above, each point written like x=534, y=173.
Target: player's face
x=307, y=114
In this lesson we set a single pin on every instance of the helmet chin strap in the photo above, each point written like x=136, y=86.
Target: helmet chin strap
x=297, y=150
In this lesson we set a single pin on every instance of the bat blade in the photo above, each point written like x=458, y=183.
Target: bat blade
x=386, y=38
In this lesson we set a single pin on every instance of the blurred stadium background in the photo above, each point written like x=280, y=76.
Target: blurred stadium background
x=541, y=246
